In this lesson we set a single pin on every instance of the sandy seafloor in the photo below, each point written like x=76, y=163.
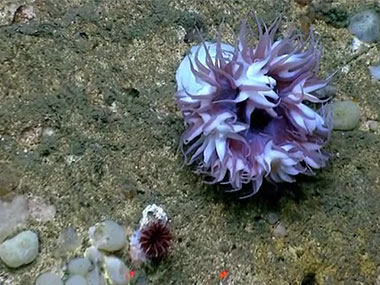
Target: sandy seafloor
x=101, y=75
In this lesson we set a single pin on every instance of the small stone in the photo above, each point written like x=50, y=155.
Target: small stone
x=19, y=250
x=79, y=266
x=13, y=216
x=326, y=92
x=116, y=270
x=346, y=115
x=272, y=218
x=68, y=241
x=49, y=278
x=375, y=71
x=365, y=26
x=280, y=231
x=95, y=277
x=76, y=280
x=373, y=126
x=108, y=236
x=47, y=132
x=94, y=255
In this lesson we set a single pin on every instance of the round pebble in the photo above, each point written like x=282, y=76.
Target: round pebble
x=13, y=215
x=19, y=250
x=95, y=277
x=93, y=255
x=375, y=71
x=68, y=241
x=280, y=230
x=108, y=236
x=373, y=125
x=326, y=92
x=272, y=218
x=116, y=270
x=76, y=280
x=49, y=278
x=79, y=266
x=346, y=115
x=365, y=26
x=47, y=132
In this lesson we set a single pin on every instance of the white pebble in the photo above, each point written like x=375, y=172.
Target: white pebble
x=76, y=280
x=47, y=132
x=108, y=236
x=68, y=241
x=346, y=115
x=19, y=250
x=272, y=218
x=13, y=215
x=95, y=277
x=94, y=255
x=79, y=266
x=373, y=125
x=49, y=278
x=375, y=71
x=365, y=25
x=116, y=270
x=280, y=230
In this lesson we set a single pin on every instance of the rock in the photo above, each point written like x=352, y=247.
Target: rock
x=326, y=92
x=346, y=115
x=116, y=270
x=68, y=241
x=373, y=126
x=365, y=26
x=79, y=266
x=49, y=278
x=375, y=71
x=13, y=216
x=94, y=255
x=47, y=132
x=108, y=236
x=95, y=277
x=19, y=250
x=280, y=231
x=76, y=280
x=9, y=179
x=272, y=218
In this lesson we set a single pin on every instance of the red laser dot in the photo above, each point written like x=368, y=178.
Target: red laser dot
x=223, y=275
x=131, y=273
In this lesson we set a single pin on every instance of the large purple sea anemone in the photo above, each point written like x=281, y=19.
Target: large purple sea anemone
x=250, y=109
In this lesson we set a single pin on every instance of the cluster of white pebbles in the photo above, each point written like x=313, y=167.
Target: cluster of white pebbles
x=98, y=266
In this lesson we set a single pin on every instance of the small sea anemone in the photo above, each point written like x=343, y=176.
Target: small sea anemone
x=155, y=240
x=251, y=110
